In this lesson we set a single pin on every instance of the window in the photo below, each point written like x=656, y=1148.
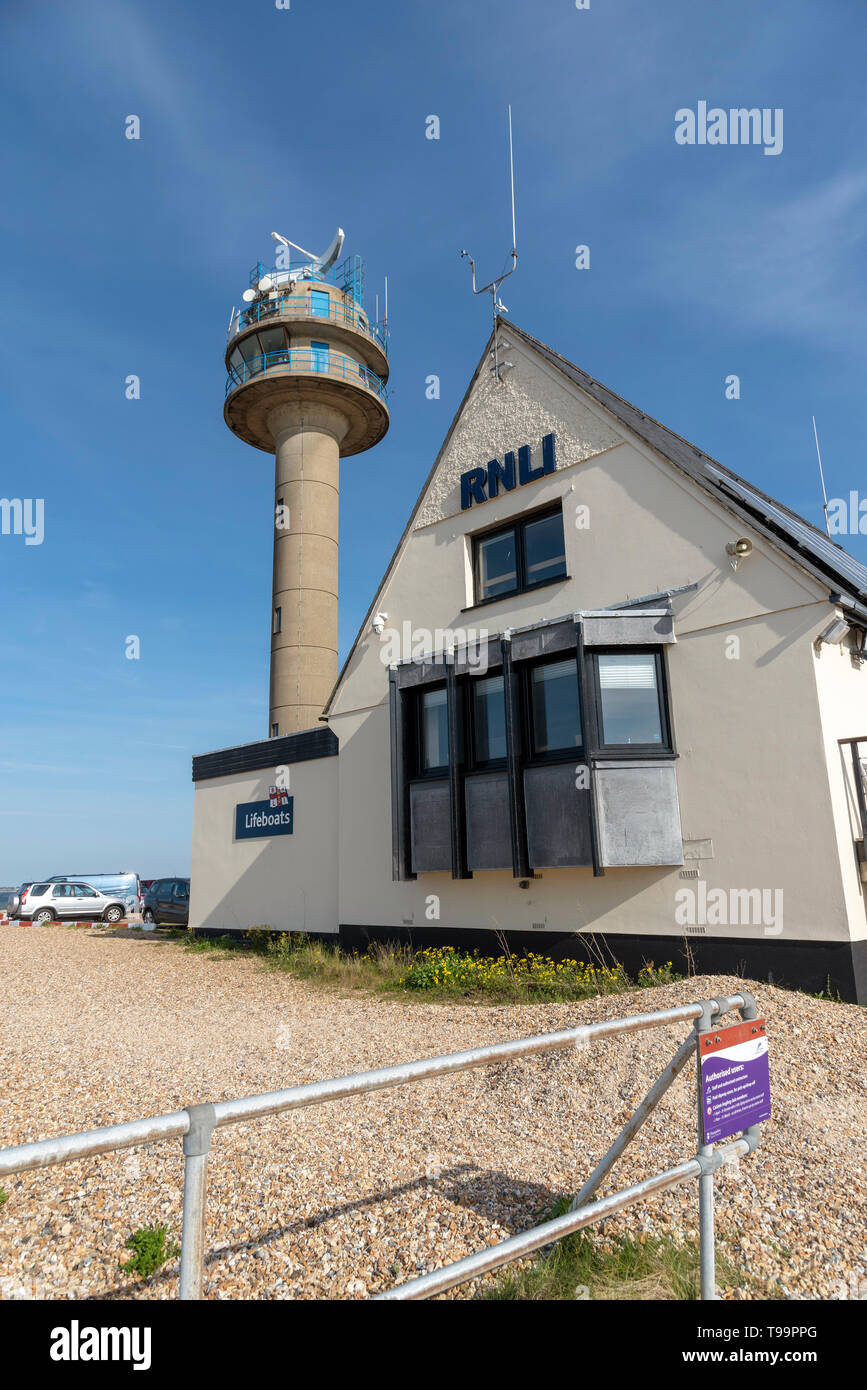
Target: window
x=62, y=890
x=181, y=891
x=433, y=740
x=81, y=890
x=275, y=729
x=520, y=556
x=544, y=549
x=488, y=720
x=274, y=344
x=319, y=356
x=555, y=724
x=278, y=620
x=319, y=303
x=629, y=699
x=496, y=565
x=248, y=348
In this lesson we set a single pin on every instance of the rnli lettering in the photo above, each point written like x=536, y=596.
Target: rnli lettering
x=481, y=484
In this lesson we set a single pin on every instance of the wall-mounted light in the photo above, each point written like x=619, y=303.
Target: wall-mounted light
x=738, y=550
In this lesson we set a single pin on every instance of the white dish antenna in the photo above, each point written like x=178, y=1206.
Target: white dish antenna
x=318, y=264
x=248, y=296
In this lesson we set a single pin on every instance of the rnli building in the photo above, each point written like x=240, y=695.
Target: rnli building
x=605, y=688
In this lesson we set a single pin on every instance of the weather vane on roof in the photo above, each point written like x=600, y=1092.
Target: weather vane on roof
x=493, y=287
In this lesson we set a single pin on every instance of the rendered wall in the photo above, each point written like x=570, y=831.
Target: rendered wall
x=287, y=882
x=752, y=767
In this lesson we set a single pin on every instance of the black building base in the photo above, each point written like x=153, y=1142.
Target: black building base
x=836, y=967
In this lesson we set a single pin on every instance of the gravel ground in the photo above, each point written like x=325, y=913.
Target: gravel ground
x=342, y=1200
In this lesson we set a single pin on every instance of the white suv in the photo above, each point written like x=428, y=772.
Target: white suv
x=49, y=902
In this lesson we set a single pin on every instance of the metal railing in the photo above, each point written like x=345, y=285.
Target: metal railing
x=305, y=359
x=348, y=274
x=302, y=306
x=196, y=1124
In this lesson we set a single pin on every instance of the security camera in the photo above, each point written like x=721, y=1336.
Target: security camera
x=736, y=550
x=379, y=621
x=834, y=632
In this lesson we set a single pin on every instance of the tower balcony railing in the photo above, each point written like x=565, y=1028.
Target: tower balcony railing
x=302, y=306
x=314, y=360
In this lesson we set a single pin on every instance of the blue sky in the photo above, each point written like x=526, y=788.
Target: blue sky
x=124, y=257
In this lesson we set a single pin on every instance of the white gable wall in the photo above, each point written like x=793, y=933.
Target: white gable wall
x=752, y=772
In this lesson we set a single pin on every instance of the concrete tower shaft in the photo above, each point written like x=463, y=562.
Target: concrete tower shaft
x=307, y=373
x=306, y=507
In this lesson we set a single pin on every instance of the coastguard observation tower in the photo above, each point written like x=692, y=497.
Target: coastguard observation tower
x=307, y=372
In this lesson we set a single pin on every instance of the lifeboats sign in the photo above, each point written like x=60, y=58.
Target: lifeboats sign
x=256, y=820
x=481, y=484
x=735, y=1079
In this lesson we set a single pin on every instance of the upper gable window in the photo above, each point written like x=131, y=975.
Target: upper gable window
x=523, y=555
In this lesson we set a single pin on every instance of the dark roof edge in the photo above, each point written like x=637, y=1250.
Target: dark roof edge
x=269, y=752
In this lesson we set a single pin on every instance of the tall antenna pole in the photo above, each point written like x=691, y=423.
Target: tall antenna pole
x=512, y=176
x=822, y=476
x=385, y=320
x=493, y=286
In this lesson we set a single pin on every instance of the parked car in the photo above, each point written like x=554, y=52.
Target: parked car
x=125, y=887
x=50, y=902
x=7, y=895
x=15, y=898
x=168, y=900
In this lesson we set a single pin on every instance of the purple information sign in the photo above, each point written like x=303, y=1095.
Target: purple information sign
x=735, y=1080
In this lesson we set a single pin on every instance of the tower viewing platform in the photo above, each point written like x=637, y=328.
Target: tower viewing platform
x=307, y=339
